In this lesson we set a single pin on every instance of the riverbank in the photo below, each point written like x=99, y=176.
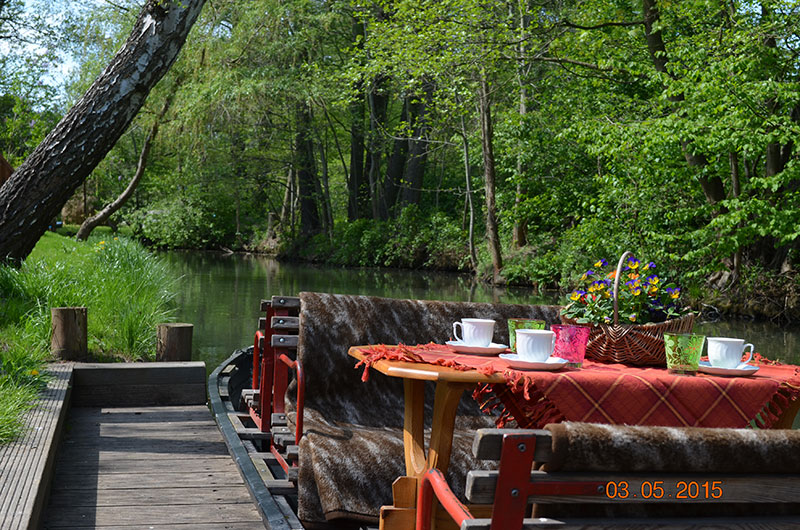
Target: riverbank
x=758, y=295
x=126, y=289
x=417, y=242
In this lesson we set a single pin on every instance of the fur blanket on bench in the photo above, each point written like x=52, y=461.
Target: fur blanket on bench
x=352, y=449
x=588, y=447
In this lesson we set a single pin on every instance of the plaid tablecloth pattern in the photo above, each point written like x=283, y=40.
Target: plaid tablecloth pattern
x=617, y=393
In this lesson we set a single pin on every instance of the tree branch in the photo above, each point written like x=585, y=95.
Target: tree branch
x=569, y=24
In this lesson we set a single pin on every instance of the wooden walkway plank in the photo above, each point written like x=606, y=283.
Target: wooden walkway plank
x=165, y=446
x=172, y=496
x=27, y=463
x=147, y=478
x=138, y=415
x=187, y=526
x=123, y=468
x=109, y=465
x=143, y=516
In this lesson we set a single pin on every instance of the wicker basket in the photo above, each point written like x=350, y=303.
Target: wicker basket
x=637, y=344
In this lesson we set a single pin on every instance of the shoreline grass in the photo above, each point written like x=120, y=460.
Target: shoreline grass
x=126, y=289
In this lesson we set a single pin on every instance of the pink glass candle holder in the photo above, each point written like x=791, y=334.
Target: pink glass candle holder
x=571, y=343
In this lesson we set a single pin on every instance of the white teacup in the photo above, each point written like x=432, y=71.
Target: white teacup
x=724, y=352
x=474, y=331
x=535, y=345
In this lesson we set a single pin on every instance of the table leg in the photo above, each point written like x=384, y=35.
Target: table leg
x=400, y=516
x=445, y=406
x=414, y=427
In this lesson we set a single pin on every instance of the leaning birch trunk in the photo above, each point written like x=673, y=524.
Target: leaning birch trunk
x=69, y=336
x=39, y=188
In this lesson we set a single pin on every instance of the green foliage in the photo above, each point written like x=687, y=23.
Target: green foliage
x=127, y=292
x=22, y=126
x=183, y=223
x=14, y=401
x=598, y=148
x=413, y=240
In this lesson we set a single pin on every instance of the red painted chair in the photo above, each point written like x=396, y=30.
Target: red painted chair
x=713, y=493
x=514, y=485
x=274, y=347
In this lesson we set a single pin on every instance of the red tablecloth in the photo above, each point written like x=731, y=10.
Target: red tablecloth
x=616, y=393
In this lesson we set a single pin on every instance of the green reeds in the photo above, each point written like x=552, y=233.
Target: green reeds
x=126, y=289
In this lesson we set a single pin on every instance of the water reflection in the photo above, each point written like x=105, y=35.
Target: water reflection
x=220, y=295
x=769, y=340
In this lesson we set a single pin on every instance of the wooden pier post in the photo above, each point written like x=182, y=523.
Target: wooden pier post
x=68, y=337
x=174, y=342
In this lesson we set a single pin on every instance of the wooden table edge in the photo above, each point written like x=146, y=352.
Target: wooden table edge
x=426, y=372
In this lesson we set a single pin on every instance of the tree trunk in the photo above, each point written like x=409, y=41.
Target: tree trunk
x=394, y=169
x=287, y=216
x=355, y=183
x=417, y=149
x=378, y=101
x=519, y=234
x=307, y=181
x=41, y=186
x=733, y=158
x=712, y=187
x=473, y=259
x=327, y=208
x=102, y=216
x=489, y=177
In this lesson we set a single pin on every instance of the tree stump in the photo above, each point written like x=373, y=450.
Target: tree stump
x=174, y=342
x=68, y=340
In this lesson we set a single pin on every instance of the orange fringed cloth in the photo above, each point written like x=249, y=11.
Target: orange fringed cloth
x=615, y=393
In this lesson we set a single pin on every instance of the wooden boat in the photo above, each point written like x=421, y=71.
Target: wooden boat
x=270, y=486
x=264, y=447
x=353, y=450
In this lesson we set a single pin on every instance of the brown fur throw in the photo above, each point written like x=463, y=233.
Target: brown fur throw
x=681, y=451
x=598, y=447
x=352, y=449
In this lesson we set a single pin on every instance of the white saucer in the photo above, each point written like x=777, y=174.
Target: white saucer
x=551, y=364
x=742, y=370
x=491, y=349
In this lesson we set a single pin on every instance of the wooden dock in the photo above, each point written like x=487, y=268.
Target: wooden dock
x=123, y=446
x=26, y=464
x=147, y=467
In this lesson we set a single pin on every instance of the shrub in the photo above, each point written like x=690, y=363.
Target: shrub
x=183, y=223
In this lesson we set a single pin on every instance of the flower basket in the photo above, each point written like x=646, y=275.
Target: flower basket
x=636, y=344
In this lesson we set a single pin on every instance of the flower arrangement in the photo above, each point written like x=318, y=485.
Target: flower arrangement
x=643, y=295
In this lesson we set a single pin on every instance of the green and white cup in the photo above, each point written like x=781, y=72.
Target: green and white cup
x=683, y=352
x=521, y=323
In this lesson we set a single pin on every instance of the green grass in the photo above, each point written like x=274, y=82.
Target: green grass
x=126, y=289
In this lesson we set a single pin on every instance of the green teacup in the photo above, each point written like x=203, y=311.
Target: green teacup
x=683, y=352
x=521, y=323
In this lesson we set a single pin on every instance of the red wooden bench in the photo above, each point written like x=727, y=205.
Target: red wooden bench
x=764, y=495
x=274, y=355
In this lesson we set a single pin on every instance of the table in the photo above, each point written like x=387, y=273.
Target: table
x=651, y=397
x=450, y=385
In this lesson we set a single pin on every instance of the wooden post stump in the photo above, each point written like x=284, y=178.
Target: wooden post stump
x=174, y=342
x=68, y=335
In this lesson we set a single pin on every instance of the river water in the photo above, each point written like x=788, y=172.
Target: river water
x=220, y=295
